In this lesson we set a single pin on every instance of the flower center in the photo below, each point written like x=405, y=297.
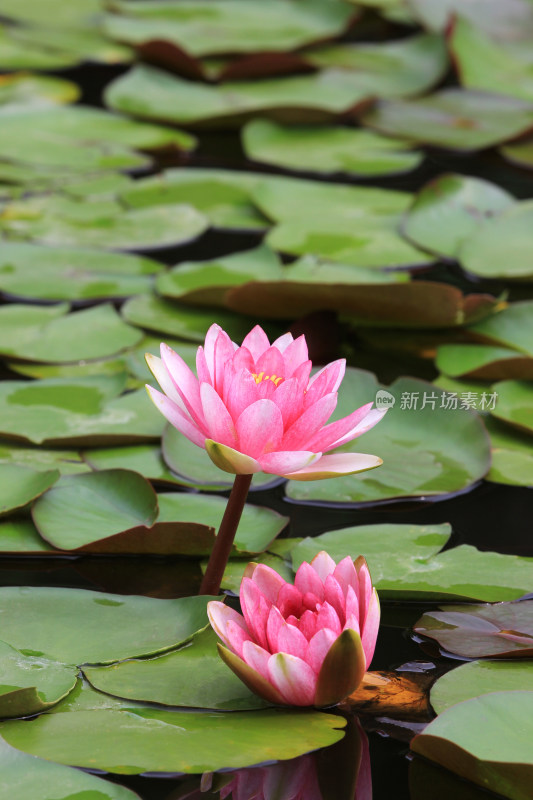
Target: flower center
x=259, y=377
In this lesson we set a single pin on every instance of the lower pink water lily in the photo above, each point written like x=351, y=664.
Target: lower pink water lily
x=255, y=408
x=303, y=644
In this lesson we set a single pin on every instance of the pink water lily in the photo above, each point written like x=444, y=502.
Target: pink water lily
x=255, y=408
x=302, y=644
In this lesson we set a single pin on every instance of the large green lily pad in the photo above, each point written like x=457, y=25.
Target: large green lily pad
x=512, y=455
x=51, y=334
x=30, y=685
x=486, y=740
x=26, y=777
x=511, y=327
x=150, y=93
x=193, y=676
x=20, y=485
x=19, y=535
x=68, y=462
x=451, y=208
x=501, y=630
x=478, y=678
x=483, y=362
x=487, y=253
x=21, y=91
x=512, y=21
x=459, y=119
x=328, y=150
x=390, y=69
x=241, y=27
x=435, y=448
x=519, y=153
x=404, y=563
x=515, y=404
x=60, y=220
x=71, y=273
x=145, y=739
x=78, y=626
x=81, y=411
x=145, y=459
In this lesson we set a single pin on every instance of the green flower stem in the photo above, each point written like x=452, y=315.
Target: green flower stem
x=226, y=534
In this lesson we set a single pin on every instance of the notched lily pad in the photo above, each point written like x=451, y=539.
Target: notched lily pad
x=502, y=630
x=479, y=678
x=483, y=362
x=20, y=485
x=487, y=253
x=512, y=455
x=515, y=404
x=22, y=91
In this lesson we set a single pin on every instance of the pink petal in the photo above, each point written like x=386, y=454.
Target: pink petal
x=307, y=580
x=302, y=373
x=308, y=624
x=256, y=657
x=284, y=638
x=218, y=420
x=352, y=622
x=236, y=636
x=334, y=595
x=371, y=419
x=243, y=359
x=295, y=355
x=256, y=342
x=209, y=349
x=230, y=460
x=255, y=608
x=271, y=364
x=325, y=438
x=352, y=607
x=268, y=581
x=219, y=615
x=307, y=425
x=202, y=370
x=289, y=602
x=284, y=462
x=273, y=627
x=323, y=565
x=240, y=391
x=223, y=353
x=259, y=428
x=370, y=628
x=178, y=418
x=332, y=465
x=293, y=678
x=346, y=575
x=289, y=399
x=160, y=373
x=282, y=342
x=327, y=380
x=365, y=587
x=318, y=647
x=185, y=382
x=327, y=618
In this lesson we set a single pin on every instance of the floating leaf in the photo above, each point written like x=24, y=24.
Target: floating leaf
x=241, y=27
x=193, y=676
x=478, y=678
x=483, y=362
x=78, y=626
x=46, y=334
x=143, y=458
x=68, y=462
x=450, y=208
x=145, y=739
x=467, y=739
x=511, y=327
x=487, y=253
x=512, y=21
x=512, y=455
x=519, y=153
x=53, y=273
x=30, y=685
x=21, y=536
x=150, y=93
x=422, y=441
x=459, y=119
x=328, y=150
x=20, y=485
x=390, y=69
x=26, y=777
x=21, y=91
x=503, y=630
x=515, y=404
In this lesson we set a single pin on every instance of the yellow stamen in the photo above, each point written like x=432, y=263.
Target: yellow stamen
x=259, y=377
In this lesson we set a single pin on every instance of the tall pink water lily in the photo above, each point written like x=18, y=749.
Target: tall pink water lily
x=255, y=407
x=302, y=644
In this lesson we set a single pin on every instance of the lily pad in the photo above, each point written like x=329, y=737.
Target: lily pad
x=68, y=462
x=20, y=485
x=194, y=676
x=142, y=458
x=70, y=273
x=59, y=220
x=501, y=67
x=30, y=685
x=224, y=196
x=458, y=119
x=241, y=27
x=78, y=626
x=483, y=362
x=192, y=464
x=512, y=455
x=512, y=21
x=519, y=153
x=487, y=740
x=145, y=739
x=451, y=208
x=478, y=678
x=26, y=777
x=34, y=333
x=150, y=93
x=511, y=327
x=155, y=314
x=484, y=253
x=82, y=411
x=21, y=91
x=415, y=569
x=328, y=150
x=422, y=441
x=515, y=404
x=502, y=630
x=390, y=69
x=21, y=536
